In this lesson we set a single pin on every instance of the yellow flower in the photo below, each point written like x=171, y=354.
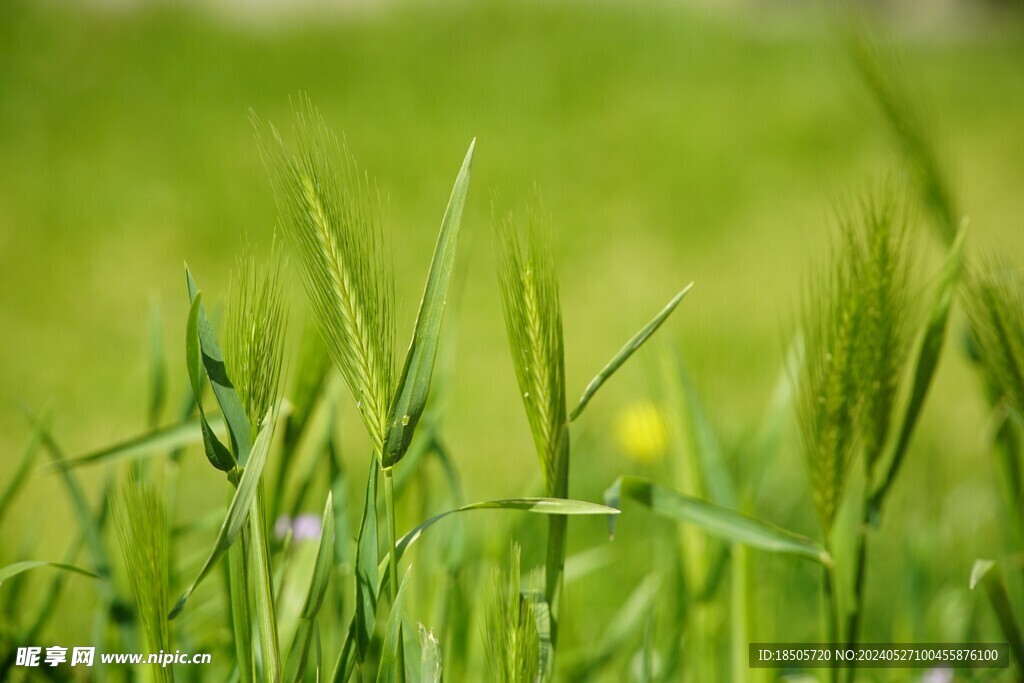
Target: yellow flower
x=641, y=432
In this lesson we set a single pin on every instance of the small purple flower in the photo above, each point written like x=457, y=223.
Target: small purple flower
x=941, y=674
x=306, y=527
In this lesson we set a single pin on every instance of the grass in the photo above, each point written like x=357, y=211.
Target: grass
x=729, y=196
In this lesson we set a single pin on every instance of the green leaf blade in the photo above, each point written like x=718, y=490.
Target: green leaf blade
x=213, y=363
x=626, y=351
x=716, y=520
x=218, y=454
x=391, y=670
x=238, y=510
x=12, y=570
x=414, y=386
x=298, y=654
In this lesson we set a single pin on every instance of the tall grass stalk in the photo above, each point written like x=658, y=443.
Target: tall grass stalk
x=856, y=328
x=533, y=319
x=256, y=322
x=142, y=529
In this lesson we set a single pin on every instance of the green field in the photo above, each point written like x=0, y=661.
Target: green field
x=666, y=145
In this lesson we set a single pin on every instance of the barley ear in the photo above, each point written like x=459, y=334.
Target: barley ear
x=331, y=217
x=256, y=323
x=533, y=319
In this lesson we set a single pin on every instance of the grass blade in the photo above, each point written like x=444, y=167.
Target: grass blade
x=21, y=473
x=298, y=653
x=918, y=149
x=990, y=576
x=391, y=669
x=626, y=351
x=218, y=454
x=156, y=441
x=367, y=589
x=16, y=568
x=238, y=510
x=414, y=385
x=924, y=368
x=213, y=362
x=715, y=520
x=263, y=607
x=157, y=367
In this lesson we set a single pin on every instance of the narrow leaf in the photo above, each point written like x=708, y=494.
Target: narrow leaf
x=626, y=351
x=157, y=367
x=715, y=520
x=24, y=468
x=367, y=588
x=16, y=568
x=238, y=510
x=298, y=654
x=546, y=506
x=990, y=576
x=414, y=386
x=223, y=390
x=924, y=368
x=390, y=669
x=218, y=455
x=161, y=440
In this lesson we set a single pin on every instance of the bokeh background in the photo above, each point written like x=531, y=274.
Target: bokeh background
x=669, y=142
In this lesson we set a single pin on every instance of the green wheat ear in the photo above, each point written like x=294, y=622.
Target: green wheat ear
x=533, y=318
x=143, y=533
x=331, y=218
x=854, y=319
x=995, y=306
x=512, y=637
x=881, y=262
x=256, y=322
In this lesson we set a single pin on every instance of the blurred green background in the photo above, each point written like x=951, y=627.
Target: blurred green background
x=669, y=144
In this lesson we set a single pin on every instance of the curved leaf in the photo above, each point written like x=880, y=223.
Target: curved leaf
x=213, y=362
x=715, y=520
x=19, y=567
x=218, y=455
x=990, y=576
x=160, y=440
x=391, y=669
x=924, y=368
x=626, y=351
x=238, y=510
x=299, y=651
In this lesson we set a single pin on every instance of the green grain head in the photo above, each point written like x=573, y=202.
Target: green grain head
x=331, y=217
x=995, y=305
x=142, y=530
x=256, y=322
x=533, y=318
x=511, y=636
x=854, y=319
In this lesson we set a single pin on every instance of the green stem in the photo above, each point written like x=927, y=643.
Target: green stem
x=859, y=581
x=389, y=505
x=557, y=532
x=262, y=594
x=241, y=622
x=832, y=607
x=740, y=614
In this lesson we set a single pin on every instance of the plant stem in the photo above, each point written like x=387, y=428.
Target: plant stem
x=860, y=572
x=832, y=607
x=557, y=532
x=389, y=505
x=262, y=591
